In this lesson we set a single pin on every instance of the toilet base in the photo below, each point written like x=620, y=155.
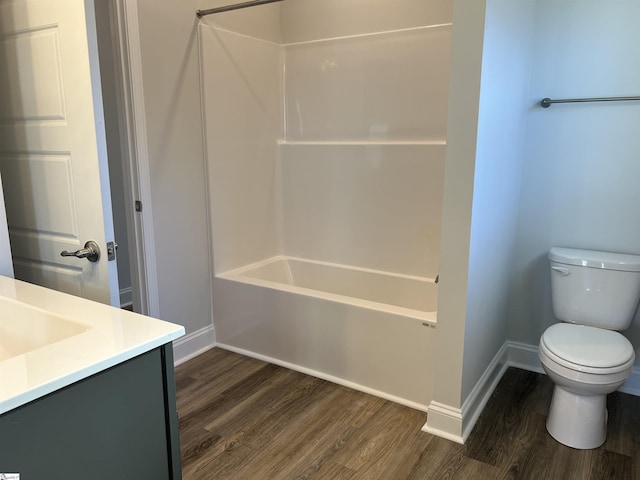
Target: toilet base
x=578, y=421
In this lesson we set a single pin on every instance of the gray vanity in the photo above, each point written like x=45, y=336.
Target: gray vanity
x=118, y=424
x=92, y=401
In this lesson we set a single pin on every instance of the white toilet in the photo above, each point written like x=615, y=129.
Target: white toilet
x=596, y=293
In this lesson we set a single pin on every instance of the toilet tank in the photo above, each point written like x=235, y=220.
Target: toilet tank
x=600, y=289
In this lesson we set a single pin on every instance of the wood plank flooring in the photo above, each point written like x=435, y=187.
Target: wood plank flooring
x=241, y=418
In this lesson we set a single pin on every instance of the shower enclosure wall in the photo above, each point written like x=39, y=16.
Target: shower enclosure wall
x=325, y=129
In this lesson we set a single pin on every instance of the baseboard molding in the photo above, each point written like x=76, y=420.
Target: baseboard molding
x=444, y=421
x=126, y=297
x=324, y=376
x=456, y=424
x=632, y=385
x=193, y=344
x=474, y=404
x=523, y=356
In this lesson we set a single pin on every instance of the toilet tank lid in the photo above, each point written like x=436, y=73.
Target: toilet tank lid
x=594, y=259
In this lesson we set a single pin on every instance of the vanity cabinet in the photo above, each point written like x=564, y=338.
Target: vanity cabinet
x=120, y=423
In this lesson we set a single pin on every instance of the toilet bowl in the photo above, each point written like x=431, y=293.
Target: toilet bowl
x=596, y=294
x=585, y=364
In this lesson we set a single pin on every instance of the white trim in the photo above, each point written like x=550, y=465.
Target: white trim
x=194, y=344
x=324, y=376
x=632, y=385
x=125, y=297
x=524, y=356
x=139, y=225
x=206, y=172
x=456, y=423
x=101, y=142
x=444, y=421
x=474, y=404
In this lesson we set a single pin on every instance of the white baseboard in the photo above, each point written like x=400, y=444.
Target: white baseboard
x=193, y=344
x=474, y=404
x=444, y=421
x=632, y=385
x=456, y=424
x=524, y=356
x=126, y=297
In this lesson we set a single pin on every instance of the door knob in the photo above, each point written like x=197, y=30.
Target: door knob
x=91, y=252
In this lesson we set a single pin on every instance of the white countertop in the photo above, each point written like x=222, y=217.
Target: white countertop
x=107, y=336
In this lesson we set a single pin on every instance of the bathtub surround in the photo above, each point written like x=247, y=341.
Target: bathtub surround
x=325, y=150
x=294, y=150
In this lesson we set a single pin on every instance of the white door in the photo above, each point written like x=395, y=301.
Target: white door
x=52, y=146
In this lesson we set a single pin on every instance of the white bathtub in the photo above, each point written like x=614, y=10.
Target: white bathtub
x=369, y=330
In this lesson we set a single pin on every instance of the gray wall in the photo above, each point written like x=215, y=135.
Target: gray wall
x=499, y=161
x=581, y=168
x=564, y=176
x=174, y=131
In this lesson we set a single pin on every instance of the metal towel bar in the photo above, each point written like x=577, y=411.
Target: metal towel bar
x=236, y=6
x=546, y=102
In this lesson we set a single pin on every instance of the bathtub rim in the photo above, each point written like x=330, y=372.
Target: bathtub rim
x=237, y=275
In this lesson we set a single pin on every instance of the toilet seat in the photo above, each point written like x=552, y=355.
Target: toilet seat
x=587, y=349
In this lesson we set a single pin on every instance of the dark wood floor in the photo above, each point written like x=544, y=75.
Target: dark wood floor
x=245, y=419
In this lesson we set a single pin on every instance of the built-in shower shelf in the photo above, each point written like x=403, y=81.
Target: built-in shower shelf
x=361, y=142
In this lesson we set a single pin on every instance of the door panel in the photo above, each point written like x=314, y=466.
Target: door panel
x=52, y=146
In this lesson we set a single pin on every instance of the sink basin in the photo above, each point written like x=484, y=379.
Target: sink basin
x=24, y=328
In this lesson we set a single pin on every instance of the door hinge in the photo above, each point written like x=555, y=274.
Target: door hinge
x=138, y=206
